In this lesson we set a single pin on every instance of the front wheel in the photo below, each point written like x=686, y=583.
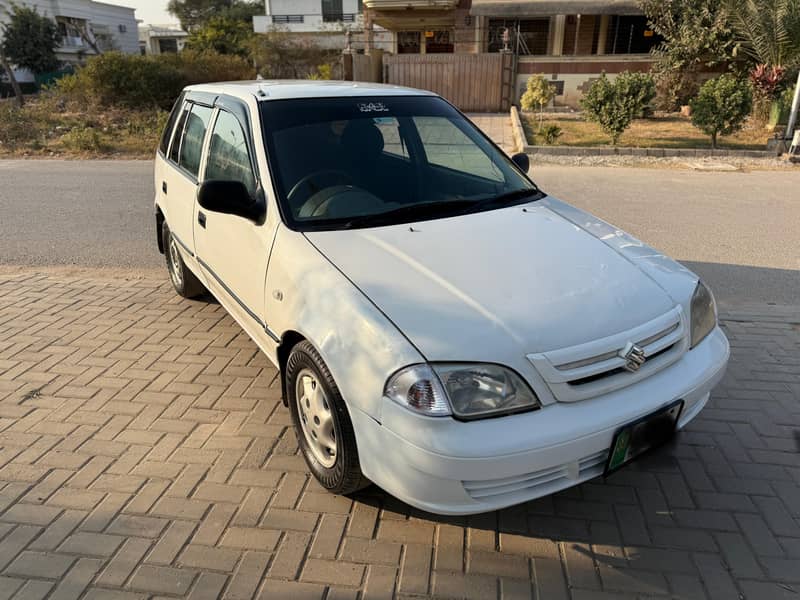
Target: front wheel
x=321, y=422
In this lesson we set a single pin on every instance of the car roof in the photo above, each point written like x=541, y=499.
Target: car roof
x=291, y=88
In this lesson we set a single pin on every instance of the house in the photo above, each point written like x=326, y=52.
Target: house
x=321, y=21
x=571, y=42
x=161, y=39
x=84, y=23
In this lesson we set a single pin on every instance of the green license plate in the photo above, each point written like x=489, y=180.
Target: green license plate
x=634, y=439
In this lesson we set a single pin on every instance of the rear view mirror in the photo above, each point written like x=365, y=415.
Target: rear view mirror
x=230, y=198
x=522, y=161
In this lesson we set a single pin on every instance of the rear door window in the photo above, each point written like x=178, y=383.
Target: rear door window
x=173, y=116
x=193, y=135
x=175, y=149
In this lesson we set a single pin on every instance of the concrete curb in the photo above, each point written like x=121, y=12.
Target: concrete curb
x=523, y=146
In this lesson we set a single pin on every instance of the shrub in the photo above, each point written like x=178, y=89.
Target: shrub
x=19, y=127
x=538, y=93
x=550, y=134
x=135, y=81
x=606, y=106
x=613, y=105
x=83, y=139
x=640, y=88
x=721, y=106
x=675, y=88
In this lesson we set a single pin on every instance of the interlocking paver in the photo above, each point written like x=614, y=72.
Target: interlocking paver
x=157, y=459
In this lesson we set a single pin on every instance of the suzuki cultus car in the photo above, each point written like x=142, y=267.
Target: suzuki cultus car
x=443, y=327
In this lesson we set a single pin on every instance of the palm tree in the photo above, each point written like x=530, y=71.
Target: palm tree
x=768, y=31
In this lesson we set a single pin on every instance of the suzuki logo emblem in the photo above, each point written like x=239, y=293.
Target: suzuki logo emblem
x=633, y=356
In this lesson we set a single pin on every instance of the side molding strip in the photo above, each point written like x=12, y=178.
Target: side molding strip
x=245, y=308
x=182, y=245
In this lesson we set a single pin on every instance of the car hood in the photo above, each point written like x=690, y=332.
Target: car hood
x=484, y=286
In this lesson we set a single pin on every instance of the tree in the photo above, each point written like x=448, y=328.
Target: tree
x=12, y=79
x=30, y=40
x=697, y=35
x=193, y=14
x=279, y=54
x=222, y=34
x=614, y=105
x=538, y=93
x=767, y=31
x=721, y=106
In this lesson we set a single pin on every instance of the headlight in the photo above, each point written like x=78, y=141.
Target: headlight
x=474, y=391
x=704, y=313
x=477, y=391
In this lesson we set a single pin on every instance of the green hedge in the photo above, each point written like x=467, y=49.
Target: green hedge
x=135, y=81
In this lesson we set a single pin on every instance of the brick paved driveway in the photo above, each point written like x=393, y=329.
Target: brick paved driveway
x=144, y=451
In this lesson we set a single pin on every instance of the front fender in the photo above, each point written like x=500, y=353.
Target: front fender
x=361, y=346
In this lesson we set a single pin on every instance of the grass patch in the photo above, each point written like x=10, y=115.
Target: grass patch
x=670, y=131
x=47, y=126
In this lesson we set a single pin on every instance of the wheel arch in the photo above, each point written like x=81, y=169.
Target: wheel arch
x=289, y=340
x=159, y=225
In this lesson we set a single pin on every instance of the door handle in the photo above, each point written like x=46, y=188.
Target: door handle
x=164, y=186
x=201, y=218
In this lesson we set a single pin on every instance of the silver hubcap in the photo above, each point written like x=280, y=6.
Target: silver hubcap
x=316, y=418
x=174, y=263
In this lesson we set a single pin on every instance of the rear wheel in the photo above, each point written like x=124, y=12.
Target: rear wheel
x=183, y=280
x=321, y=422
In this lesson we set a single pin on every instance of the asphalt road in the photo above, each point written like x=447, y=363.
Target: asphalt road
x=739, y=231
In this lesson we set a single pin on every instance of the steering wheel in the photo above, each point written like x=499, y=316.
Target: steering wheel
x=309, y=181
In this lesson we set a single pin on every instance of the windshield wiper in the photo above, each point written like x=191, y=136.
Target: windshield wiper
x=420, y=210
x=502, y=199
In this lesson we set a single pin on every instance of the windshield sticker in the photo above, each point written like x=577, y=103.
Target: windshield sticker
x=384, y=120
x=373, y=107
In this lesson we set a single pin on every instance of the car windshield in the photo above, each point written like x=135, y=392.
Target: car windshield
x=366, y=161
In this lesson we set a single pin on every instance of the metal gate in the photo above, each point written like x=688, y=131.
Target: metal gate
x=472, y=82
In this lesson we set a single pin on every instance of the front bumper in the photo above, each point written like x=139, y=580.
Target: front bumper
x=449, y=467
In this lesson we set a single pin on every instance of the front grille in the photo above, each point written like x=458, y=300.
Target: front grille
x=617, y=371
x=597, y=367
x=538, y=483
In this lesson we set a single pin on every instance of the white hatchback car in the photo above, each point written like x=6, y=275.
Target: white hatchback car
x=443, y=328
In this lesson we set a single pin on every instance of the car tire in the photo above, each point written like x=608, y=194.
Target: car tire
x=183, y=280
x=321, y=422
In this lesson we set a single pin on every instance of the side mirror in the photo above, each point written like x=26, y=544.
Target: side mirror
x=522, y=161
x=231, y=198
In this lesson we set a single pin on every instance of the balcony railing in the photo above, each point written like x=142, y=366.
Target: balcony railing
x=337, y=17
x=406, y=4
x=286, y=19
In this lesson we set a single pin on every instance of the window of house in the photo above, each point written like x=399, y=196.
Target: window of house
x=193, y=135
x=630, y=35
x=228, y=155
x=408, y=42
x=332, y=10
x=526, y=36
x=168, y=46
